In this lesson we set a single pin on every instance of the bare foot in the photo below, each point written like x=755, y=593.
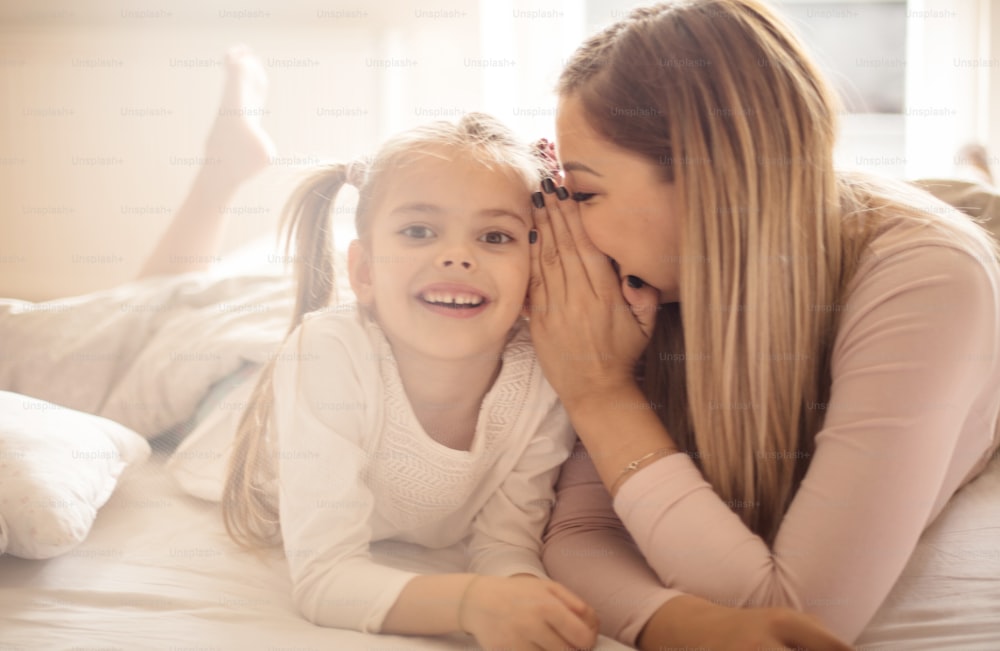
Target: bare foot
x=974, y=158
x=237, y=146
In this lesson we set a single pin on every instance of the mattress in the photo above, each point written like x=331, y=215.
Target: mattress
x=158, y=572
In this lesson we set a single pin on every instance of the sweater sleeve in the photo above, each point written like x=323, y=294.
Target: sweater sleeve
x=584, y=532
x=325, y=507
x=914, y=351
x=507, y=532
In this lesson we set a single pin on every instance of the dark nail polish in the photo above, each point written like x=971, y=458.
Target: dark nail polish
x=532, y=236
x=548, y=185
x=635, y=282
x=538, y=199
x=562, y=193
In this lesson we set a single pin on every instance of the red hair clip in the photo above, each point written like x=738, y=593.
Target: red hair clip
x=546, y=152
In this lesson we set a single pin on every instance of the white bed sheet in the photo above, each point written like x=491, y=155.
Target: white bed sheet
x=158, y=572
x=948, y=597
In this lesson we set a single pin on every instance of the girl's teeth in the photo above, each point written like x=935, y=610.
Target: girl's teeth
x=447, y=299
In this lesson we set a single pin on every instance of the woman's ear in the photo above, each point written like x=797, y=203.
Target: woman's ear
x=359, y=272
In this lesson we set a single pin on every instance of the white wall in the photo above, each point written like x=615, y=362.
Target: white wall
x=953, y=83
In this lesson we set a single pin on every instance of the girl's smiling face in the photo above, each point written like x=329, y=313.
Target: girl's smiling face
x=445, y=266
x=629, y=211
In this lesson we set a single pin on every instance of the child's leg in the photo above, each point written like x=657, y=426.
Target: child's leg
x=236, y=149
x=973, y=161
x=974, y=191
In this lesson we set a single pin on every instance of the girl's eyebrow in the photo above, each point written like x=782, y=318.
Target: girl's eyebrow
x=502, y=212
x=417, y=206
x=576, y=166
x=425, y=208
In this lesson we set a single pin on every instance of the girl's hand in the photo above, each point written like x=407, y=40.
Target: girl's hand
x=690, y=622
x=588, y=325
x=527, y=613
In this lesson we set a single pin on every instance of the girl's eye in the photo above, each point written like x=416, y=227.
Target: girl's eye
x=417, y=232
x=582, y=196
x=496, y=237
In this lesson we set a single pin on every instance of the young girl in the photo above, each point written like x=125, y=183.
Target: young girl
x=421, y=415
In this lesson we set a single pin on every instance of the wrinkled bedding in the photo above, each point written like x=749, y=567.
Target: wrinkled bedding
x=145, y=353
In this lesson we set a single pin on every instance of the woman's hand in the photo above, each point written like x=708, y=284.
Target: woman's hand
x=690, y=622
x=588, y=336
x=526, y=613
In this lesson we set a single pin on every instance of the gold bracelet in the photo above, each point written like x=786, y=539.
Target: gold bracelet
x=632, y=466
x=462, y=599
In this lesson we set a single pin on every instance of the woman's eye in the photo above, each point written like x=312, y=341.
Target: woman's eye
x=582, y=196
x=417, y=232
x=496, y=237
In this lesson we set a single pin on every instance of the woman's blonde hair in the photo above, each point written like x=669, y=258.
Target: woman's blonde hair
x=722, y=96
x=249, y=507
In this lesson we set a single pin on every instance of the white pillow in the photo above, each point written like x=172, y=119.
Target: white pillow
x=57, y=467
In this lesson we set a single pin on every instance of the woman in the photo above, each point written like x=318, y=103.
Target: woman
x=816, y=352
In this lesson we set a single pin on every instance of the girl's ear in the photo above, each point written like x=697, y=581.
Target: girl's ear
x=359, y=272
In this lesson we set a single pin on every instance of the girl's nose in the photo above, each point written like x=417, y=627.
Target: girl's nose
x=455, y=260
x=456, y=256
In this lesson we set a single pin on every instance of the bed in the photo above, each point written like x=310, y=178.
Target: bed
x=158, y=572
x=151, y=566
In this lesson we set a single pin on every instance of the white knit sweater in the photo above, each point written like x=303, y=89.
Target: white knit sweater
x=355, y=467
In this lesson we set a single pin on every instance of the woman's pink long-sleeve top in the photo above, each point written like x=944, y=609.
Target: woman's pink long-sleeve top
x=912, y=416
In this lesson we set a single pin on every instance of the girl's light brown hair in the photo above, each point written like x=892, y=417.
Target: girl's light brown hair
x=723, y=98
x=249, y=507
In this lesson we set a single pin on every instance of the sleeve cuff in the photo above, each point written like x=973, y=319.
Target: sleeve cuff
x=358, y=598
x=385, y=600
x=636, y=620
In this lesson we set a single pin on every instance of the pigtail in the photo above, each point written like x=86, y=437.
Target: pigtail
x=249, y=509
x=307, y=224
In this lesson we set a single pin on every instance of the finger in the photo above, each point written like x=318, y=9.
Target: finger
x=594, y=261
x=547, y=638
x=802, y=633
x=575, y=270
x=555, y=207
x=550, y=260
x=644, y=301
x=565, y=595
x=592, y=621
x=571, y=629
x=524, y=645
x=537, y=295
